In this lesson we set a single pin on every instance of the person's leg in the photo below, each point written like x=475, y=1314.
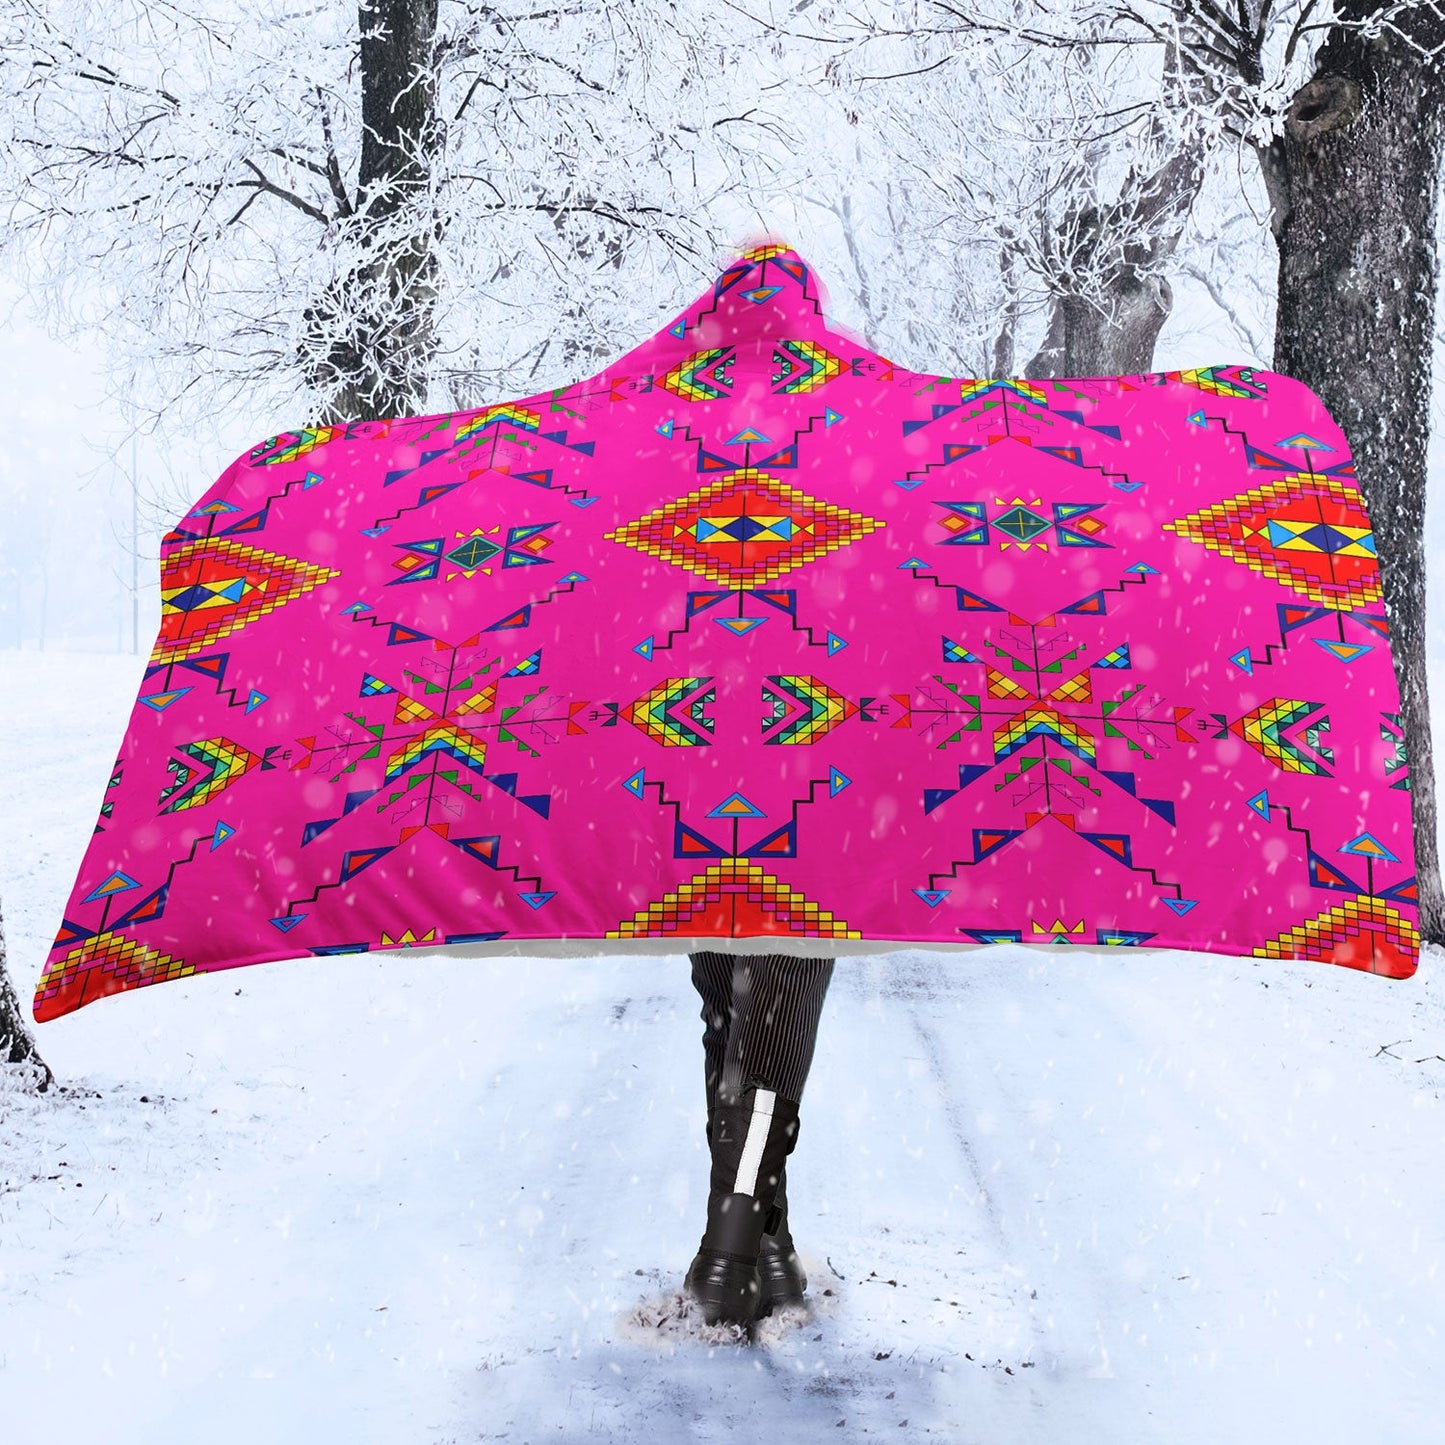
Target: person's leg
x=712, y=977
x=777, y=1001
x=771, y=1005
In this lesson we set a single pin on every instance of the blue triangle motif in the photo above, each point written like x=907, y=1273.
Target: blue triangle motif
x=1343, y=651
x=1366, y=845
x=160, y=701
x=736, y=806
x=116, y=883
x=740, y=625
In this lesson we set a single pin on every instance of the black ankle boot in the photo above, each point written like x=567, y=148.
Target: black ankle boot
x=779, y=1268
x=748, y=1140
x=782, y=1279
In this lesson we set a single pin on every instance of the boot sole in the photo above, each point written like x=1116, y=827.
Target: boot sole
x=724, y=1292
x=782, y=1284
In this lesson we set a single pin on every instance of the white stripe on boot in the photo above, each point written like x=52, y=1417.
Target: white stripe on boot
x=756, y=1142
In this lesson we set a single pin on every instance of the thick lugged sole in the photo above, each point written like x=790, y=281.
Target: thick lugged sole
x=727, y=1291
x=781, y=1275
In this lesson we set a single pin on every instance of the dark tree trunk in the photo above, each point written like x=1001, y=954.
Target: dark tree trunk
x=372, y=339
x=1082, y=340
x=1152, y=211
x=1354, y=183
x=17, y=1048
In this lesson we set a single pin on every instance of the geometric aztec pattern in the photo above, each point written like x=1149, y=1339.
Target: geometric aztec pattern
x=108, y=963
x=1365, y=933
x=212, y=588
x=1308, y=531
x=221, y=762
x=733, y=898
x=1023, y=525
x=807, y=709
x=744, y=529
x=758, y=639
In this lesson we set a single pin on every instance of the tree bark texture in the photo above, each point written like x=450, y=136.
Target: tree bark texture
x=1084, y=340
x=17, y=1048
x=1118, y=338
x=1354, y=186
x=373, y=336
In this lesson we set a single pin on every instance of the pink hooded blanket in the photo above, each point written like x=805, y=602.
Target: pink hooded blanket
x=757, y=636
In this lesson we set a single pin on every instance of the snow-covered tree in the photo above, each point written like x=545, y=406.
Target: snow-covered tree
x=1340, y=105
x=17, y=1047
x=1062, y=160
x=376, y=210
x=1354, y=181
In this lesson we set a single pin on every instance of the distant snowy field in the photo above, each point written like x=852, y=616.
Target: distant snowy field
x=1054, y=1197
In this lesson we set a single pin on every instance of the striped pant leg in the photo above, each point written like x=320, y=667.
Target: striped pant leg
x=712, y=977
x=772, y=1006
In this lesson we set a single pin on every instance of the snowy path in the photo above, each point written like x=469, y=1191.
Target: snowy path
x=1055, y=1197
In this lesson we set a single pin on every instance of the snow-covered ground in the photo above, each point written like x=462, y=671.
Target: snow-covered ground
x=1040, y=1197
